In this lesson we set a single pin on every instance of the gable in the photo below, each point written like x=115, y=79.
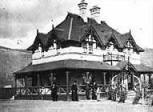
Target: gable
x=124, y=65
x=90, y=30
x=74, y=28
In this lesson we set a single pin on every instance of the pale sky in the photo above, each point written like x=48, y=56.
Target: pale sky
x=19, y=19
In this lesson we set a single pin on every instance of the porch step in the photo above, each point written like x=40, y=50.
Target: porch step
x=130, y=96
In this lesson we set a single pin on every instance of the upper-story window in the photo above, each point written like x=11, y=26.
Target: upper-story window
x=129, y=48
x=54, y=45
x=89, y=44
x=110, y=47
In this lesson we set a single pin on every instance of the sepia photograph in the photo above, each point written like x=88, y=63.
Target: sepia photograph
x=76, y=55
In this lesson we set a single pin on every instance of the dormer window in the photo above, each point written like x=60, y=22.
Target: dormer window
x=110, y=46
x=90, y=44
x=39, y=48
x=129, y=46
x=54, y=45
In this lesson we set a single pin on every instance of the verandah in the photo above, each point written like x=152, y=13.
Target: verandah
x=38, y=82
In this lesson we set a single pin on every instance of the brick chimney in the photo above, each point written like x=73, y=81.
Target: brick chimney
x=95, y=13
x=83, y=9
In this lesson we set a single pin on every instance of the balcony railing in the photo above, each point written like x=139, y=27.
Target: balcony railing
x=78, y=53
x=81, y=53
x=113, y=57
x=68, y=50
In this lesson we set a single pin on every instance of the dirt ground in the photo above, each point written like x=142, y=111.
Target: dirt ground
x=69, y=106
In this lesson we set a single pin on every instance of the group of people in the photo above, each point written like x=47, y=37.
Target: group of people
x=91, y=90
x=114, y=92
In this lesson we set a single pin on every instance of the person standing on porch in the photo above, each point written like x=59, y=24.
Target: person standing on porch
x=54, y=94
x=138, y=95
x=122, y=95
x=113, y=93
x=98, y=93
x=88, y=91
x=94, y=90
x=74, y=90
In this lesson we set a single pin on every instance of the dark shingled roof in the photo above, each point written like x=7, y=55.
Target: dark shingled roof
x=68, y=64
x=141, y=68
x=123, y=64
x=79, y=29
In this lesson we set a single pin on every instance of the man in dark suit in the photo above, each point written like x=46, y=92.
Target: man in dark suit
x=54, y=94
x=74, y=90
x=94, y=89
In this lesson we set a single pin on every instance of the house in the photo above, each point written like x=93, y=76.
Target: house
x=84, y=49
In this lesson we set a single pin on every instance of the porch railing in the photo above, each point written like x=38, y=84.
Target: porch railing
x=40, y=91
x=46, y=90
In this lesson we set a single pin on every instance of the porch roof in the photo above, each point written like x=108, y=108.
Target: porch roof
x=141, y=68
x=69, y=64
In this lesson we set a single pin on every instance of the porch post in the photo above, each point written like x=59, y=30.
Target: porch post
x=111, y=76
x=38, y=79
x=25, y=81
x=123, y=77
x=15, y=83
x=67, y=85
x=144, y=78
x=149, y=75
x=132, y=81
x=142, y=89
x=104, y=78
x=144, y=85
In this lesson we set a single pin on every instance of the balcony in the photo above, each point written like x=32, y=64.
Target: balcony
x=80, y=53
x=113, y=57
x=77, y=53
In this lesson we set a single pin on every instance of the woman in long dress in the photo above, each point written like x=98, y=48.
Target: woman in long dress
x=74, y=90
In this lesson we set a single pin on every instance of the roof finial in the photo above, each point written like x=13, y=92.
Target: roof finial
x=37, y=31
x=130, y=31
x=52, y=22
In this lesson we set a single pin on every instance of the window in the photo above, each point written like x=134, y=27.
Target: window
x=110, y=46
x=89, y=44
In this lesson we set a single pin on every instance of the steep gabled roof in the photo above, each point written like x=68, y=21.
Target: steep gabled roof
x=41, y=39
x=141, y=68
x=126, y=37
x=74, y=28
x=72, y=24
x=123, y=64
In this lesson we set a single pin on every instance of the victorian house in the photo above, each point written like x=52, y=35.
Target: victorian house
x=82, y=49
